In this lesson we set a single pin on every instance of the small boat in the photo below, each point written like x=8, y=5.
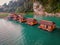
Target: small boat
x=31, y=21
x=21, y=18
x=47, y=25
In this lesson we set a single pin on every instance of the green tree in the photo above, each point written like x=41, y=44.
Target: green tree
x=20, y=9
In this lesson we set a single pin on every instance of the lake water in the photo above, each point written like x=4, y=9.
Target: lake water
x=15, y=33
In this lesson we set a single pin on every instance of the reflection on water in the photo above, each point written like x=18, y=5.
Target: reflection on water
x=15, y=33
x=38, y=17
x=9, y=31
x=54, y=19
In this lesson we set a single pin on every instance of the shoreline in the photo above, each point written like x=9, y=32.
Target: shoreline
x=47, y=14
x=3, y=15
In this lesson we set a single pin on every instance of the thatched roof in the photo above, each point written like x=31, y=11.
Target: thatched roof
x=30, y=19
x=47, y=22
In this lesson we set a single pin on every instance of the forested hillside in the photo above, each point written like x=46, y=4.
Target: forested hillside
x=27, y=5
x=51, y=5
x=17, y=6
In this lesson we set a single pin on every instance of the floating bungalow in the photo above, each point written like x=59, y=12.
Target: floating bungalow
x=31, y=21
x=21, y=18
x=10, y=16
x=47, y=25
x=13, y=16
x=44, y=24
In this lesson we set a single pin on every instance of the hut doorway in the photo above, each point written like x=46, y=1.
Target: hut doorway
x=45, y=27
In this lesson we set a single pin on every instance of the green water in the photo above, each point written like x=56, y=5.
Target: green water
x=15, y=33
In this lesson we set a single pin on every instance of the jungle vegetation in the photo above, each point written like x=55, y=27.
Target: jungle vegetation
x=18, y=6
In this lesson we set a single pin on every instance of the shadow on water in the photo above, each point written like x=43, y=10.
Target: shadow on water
x=31, y=35
x=35, y=36
x=57, y=30
x=17, y=33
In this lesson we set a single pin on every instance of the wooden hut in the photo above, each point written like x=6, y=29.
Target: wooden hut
x=10, y=16
x=31, y=21
x=21, y=18
x=47, y=25
x=13, y=16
